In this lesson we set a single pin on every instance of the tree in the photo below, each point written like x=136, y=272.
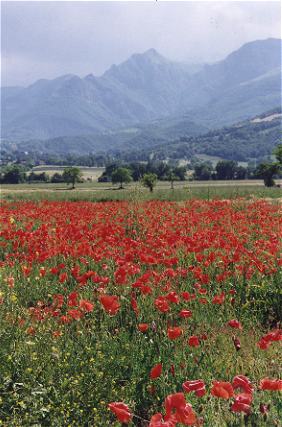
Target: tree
x=267, y=171
x=203, y=171
x=138, y=170
x=13, y=174
x=149, y=180
x=121, y=176
x=225, y=169
x=57, y=178
x=278, y=153
x=72, y=175
x=240, y=172
x=171, y=178
x=39, y=177
x=180, y=172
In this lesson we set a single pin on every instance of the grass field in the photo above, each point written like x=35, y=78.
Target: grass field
x=102, y=191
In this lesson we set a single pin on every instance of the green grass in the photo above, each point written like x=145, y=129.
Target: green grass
x=105, y=192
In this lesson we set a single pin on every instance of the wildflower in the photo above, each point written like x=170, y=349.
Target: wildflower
x=143, y=327
x=162, y=305
x=177, y=408
x=110, y=303
x=174, y=332
x=242, y=382
x=197, y=386
x=272, y=385
x=185, y=313
x=158, y=421
x=222, y=389
x=156, y=371
x=121, y=411
x=86, y=306
x=267, y=339
x=194, y=341
x=242, y=403
x=235, y=324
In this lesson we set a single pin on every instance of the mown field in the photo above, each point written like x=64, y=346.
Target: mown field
x=90, y=173
x=140, y=313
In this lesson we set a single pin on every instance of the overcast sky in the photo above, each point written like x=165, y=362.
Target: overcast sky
x=48, y=39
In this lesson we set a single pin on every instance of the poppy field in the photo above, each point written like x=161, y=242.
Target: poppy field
x=149, y=314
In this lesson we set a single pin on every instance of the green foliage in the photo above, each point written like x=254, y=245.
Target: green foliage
x=225, y=169
x=266, y=171
x=38, y=177
x=149, y=180
x=121, y=176
x=278, y=153
x=203, y=171
x=57, y=178
x=13, y=174
x=71, y=175
x=139, y=169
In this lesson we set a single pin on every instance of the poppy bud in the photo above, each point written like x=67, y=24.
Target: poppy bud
x=154, y=326
x=263, y=408
x=237, y=343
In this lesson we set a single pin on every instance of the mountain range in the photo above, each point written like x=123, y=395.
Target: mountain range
x=143, y=92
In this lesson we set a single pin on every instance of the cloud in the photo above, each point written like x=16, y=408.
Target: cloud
x=47, y=39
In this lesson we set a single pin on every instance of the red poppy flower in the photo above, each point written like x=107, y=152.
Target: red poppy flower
x=270, y=337
x=222, y=389
x=121, y=411
x=185, y=313
x=242, y=382
x=177, y=408
x=134, y=305
x=235, y=324
x=174, y=332
x=110, y=303
x=186, y=296
x=162, y=305
x=156, y=371
x=86, y=305
x=194, y=341
x=198, y=386
x=72, y=299
x=75, y=314
x=219, y=299
x=242, y=403
x=63, y=277
x=173, y=297
x=272, y=385
x=143, y=327
x=157, y=421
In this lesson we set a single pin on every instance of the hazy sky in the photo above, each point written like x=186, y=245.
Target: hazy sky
x=48, y=39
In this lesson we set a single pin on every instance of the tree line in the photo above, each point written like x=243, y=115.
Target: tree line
x=150, y=172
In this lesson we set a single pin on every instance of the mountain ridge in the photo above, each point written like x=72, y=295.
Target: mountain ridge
x=143, y=88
